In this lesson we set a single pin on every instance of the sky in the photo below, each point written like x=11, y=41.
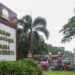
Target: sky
x=56, y=13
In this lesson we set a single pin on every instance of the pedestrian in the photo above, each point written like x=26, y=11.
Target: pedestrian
x=65, y=66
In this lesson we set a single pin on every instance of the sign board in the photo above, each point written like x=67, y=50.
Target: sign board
x=8, y=42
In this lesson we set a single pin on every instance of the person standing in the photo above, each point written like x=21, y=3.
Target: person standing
x=65, y=66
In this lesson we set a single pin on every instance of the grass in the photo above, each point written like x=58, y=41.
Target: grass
x=58, y=73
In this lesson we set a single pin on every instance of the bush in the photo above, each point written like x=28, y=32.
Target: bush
x=21, y=67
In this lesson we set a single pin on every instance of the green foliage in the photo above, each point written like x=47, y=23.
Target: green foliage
x=42, y=48
x=29, y=36
x=55, y=50
x=68, y=55
x=36, y=57
x=21, y=67
x=69, y=30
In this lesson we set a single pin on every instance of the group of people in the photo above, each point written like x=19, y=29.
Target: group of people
x=45, y=65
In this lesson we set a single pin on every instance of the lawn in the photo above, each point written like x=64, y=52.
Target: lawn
x=58, y=73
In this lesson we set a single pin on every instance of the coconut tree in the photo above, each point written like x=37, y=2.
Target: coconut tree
x=31, y=30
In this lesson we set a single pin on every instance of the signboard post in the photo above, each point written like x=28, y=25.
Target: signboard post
x=8, y=42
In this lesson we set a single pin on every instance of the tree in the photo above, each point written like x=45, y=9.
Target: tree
x=69, y=30
x=30, y=31
x=68, y=56
x=42, y=48
x=55, y=50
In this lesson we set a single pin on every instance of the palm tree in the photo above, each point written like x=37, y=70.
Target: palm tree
x=31, y=30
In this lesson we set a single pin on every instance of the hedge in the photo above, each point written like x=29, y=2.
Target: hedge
x=21, y=67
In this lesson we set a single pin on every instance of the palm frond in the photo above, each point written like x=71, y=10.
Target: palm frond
x=25, y=26
x=27, y=19
x=36, y=35
x=21, y=22
x=43, y=30
x=20, y=25
x=39, y=21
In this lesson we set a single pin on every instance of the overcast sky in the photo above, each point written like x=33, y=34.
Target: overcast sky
x=56, y=12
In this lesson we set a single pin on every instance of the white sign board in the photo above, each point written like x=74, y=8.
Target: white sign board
x=7, y=43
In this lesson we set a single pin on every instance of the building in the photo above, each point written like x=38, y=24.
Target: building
x=8, y=27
